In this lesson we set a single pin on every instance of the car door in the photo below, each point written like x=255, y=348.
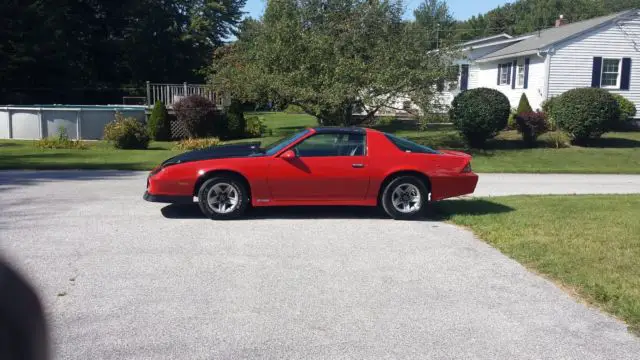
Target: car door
x=328, y=166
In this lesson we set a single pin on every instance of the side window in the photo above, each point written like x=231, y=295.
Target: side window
x=331, y=145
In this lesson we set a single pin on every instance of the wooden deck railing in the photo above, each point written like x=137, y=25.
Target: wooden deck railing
x=171, y=93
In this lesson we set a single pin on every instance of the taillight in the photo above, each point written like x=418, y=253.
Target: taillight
x=156, y=170
x=467, y=168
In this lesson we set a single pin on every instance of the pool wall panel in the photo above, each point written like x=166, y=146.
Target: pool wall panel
x=31, y=123
x=92, y=123
x=4, y=124
x=26, y=124
x=55, y=118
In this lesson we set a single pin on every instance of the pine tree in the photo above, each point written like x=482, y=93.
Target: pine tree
x=158, y=126
x=523, y=106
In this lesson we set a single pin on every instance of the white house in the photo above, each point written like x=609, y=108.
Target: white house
x=600, y=52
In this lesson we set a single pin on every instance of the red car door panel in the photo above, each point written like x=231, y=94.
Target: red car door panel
x=315, y=178
x=328, y=166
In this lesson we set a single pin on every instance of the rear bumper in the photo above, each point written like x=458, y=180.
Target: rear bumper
x=454, y=186
x=171, y=199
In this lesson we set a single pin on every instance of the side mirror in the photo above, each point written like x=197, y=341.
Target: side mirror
x=288, y=155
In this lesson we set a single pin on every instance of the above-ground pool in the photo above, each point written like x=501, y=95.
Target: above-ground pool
x=86, y=122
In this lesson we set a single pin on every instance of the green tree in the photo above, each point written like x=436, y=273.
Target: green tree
x=158, y=126
x=331, y=58
x=523, y=105
x=435, y=17
x=97, y=51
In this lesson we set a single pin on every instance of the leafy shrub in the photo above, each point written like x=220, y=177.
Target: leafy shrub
x=255, y=126
x=158, y=126
x=126, y=133
x=547, y=109
x=235, y=120
x=193, y=144
x=557, y=139
x=531, y=125
x=523, y=105
x=511, y=122
x=385, y=120
x=586, y=113
x=479, y=114
x=293, y=109
x=198, y=116
x=61, y=141
x=434, y=118
x=627, y=108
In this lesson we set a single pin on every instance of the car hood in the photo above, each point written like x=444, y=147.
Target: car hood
x=217, y=152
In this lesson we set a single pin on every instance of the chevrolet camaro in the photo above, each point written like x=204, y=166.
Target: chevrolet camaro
x=315, y=166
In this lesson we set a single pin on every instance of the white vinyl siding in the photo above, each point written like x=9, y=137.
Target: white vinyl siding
x=485, y=75
x=572, y=63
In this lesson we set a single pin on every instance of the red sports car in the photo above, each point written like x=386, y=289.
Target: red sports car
x=316, y=166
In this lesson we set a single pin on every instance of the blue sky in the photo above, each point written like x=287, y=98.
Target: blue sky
x=461, y=9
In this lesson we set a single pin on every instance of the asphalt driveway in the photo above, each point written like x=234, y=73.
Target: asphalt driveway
x=121, y=278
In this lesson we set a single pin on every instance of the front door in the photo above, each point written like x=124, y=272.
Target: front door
x=327, y=166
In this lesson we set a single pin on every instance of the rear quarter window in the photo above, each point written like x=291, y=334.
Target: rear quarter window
x=409, y=146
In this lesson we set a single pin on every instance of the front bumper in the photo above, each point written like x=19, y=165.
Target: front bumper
x=171, y=199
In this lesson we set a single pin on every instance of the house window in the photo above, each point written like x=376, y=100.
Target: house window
x=610, y=73
x=504, y=74
x=520, y=77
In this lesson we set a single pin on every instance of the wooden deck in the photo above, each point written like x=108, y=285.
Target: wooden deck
x=169, y=94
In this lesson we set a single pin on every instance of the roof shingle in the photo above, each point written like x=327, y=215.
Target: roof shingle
x=550, y=36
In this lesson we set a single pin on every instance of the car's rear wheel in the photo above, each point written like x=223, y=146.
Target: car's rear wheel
x=223, y=198
x=404, y=198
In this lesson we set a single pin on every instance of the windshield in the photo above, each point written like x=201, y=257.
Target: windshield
x=409, y=146
x=282, y=143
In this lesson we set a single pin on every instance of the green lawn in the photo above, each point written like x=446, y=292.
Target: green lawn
x=615, y=153
x=590, y=245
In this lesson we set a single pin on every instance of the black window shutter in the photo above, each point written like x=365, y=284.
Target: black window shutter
x=508, y=66
x=526, y=73
x=513, y=75
x=596, y=72
x=498, y=74
x=625, y=77
x=464, y=77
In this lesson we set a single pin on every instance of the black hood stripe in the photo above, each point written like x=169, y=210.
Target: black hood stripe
x=217, y=152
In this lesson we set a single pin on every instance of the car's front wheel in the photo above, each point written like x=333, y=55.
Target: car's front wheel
x=223, y=198
x=404, y=198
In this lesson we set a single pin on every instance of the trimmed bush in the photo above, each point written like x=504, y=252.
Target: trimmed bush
x=159, y=126
x=126, y=133
x=531, y=125
x=479, y=114
x=293, y=109
x=236, y=123
x=255, y=126
x=586, y=113
x=547, y=109
x=61, y=141
x=627, y=108
x=523, y=105
x=193, y=144
x=198, y=116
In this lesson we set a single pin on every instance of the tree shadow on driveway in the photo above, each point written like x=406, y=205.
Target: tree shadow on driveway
x=440, y=211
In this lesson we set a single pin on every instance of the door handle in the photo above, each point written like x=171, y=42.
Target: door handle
x=357, y=165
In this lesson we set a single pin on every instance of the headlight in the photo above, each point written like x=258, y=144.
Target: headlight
x=467, y=168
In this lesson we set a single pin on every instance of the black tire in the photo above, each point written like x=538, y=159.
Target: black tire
x=238, y=210
x=387, y=202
